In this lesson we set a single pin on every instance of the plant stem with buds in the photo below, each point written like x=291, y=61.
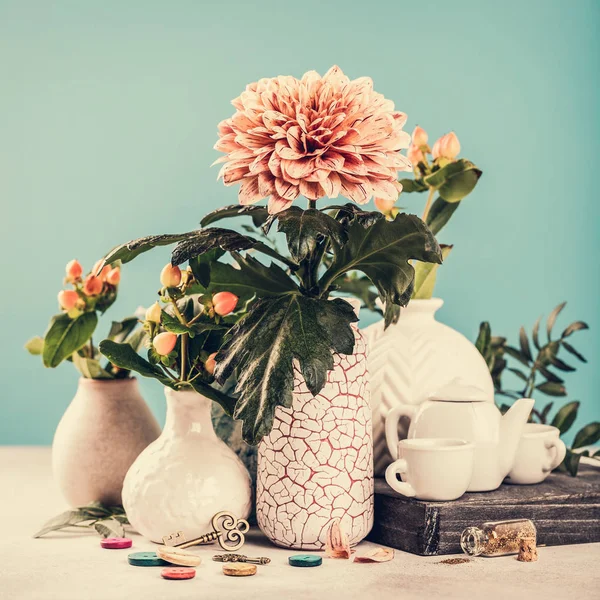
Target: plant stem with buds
x=428, y=205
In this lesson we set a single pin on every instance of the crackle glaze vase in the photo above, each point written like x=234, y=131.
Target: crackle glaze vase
x=316, y=464
x=186, y=476
x=102, y=432
x=413, y=359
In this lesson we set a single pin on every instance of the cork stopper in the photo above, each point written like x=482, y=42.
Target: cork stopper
x=527, y=550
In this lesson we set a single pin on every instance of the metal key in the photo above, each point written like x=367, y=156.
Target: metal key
x=229, y=532
x=261, y=560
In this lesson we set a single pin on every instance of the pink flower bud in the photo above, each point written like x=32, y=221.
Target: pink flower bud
x=210, y=363
x=92, y=286
x=73, y=270
x=153, y=313
x=114, y=276
x=415, y=155
x=384, y=206
x=224, y=303
x=67, y=299
x=164, y=343
x=419, y=137
x=170, y=276
x=447, y=146
x=102, y=274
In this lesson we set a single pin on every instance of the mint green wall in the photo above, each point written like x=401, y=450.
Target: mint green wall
x=108, y=115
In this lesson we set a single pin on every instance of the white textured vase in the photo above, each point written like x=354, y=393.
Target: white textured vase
x=102, y=432
x=316, y=465
x=186, y=476
x=413, y=359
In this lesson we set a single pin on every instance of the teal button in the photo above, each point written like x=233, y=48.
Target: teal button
x=146, y=559
x=305, y=560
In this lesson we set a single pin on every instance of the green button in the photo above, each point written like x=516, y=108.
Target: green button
x=305, y=560
x=146, y=559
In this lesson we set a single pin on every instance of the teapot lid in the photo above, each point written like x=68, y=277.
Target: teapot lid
x=459, y=390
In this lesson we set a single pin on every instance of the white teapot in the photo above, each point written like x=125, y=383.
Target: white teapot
x=461, y=411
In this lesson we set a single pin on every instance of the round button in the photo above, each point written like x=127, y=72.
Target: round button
x=305, y=560
x=145, y=559
x=116, y=543
x=178, y=573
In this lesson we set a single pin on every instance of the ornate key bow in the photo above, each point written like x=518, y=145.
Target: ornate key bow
x=228, y=530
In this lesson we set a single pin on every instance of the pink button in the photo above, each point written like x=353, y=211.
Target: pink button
x=178, y=573
x=116, y=543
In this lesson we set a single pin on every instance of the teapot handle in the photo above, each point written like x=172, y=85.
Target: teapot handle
x=559, y=450
x=391, y=425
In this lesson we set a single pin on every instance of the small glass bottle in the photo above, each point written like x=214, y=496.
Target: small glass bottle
x=496, y=538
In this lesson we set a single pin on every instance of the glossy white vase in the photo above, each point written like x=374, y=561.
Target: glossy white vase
x=316, y=465
x=413, y=359
x=102, y=432
x=186, y=476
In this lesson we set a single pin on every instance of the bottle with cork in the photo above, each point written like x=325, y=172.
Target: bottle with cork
x=498, y=538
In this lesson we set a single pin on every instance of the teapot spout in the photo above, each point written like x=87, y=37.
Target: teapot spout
x=511, y=429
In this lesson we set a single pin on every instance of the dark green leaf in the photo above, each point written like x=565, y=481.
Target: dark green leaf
x=551, y=389
x=35, y=345
x=262, y=346
x=519, y=374
x=350, y=213
x=66, y=335
x=549, y=375
x=587, y=436
x=574, y=352
x=130, y=250
x=259, y=214
x=89, y=367
x=109, y=528
x=565, y=417
x=546, y=411
x=119, y=330
x=484, y=339
x=517, y=355
x=227, y=402
x=305, y=228
x=455, y=180
x=440, y=214
x=576, y=326
x=536, y=333
x=66, y=519
x=412, y=185
x=391, y=314
x=204, y=240
x=524, y=343
x=382, y=252
x=552, y=319
x=201, y=265
x=359, y=287
x=559, y=364
x=425, y=276
x=571, y=462
x=136, y=339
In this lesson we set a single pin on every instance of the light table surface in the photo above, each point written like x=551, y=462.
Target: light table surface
x=73, y=566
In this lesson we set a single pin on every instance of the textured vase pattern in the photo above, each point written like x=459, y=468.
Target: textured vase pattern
x=412, y=360
x=317, y=463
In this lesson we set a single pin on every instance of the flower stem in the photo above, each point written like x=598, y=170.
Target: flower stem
x=428, y=205
x=312, y=204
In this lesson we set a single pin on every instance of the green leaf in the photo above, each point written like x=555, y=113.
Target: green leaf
x=305, y=228
x=549, y=375
x=172, y=324
x=519, y=374
x=517, y=355
x=412, y=185
x=524, y=343
x=66, y=335
x=536, y=333
x=576, y=326
x=204, y=240
x=109, y=528
x=565, y=417
x=130, y=250
x=552, y=319
x=201, y=265
x=551, y=388
x=391, y=314
x=119, y=330
x=382, y=252
x=587, y=436
x=125, y=357
x=439, y=214
x=227, y=402
x=35, y=345
x=350, y=213
x=65, y=519
x=571, y=462
x=359, y=287
x=484, y=339
x=262, y=346
x=426, y=274
x=89, y=367
x=559, y=364
x=546, y=411
x=259, y=214
x=454, y=181
x=136, y=339
x=574, y=352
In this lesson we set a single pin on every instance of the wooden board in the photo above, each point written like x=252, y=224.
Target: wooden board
x=565, y=510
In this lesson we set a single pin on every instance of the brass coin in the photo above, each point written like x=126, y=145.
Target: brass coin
x=239, y=569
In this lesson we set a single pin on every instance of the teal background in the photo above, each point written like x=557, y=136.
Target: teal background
x=108, y=115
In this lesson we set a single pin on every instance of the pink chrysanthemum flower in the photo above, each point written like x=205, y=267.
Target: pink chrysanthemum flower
x=317, y=136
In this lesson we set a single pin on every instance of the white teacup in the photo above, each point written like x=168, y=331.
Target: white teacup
x=540, y=451
x=432, y=468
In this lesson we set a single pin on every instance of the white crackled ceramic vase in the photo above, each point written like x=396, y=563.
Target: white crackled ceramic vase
x=317, y=463
x=413, y=359
x=186, y=476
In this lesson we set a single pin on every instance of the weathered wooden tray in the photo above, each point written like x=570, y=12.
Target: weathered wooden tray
x=565, y=510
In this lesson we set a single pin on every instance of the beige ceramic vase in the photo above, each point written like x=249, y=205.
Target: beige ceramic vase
x=104, y=429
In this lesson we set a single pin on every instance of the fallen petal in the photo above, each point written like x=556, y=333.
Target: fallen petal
x=337, y=544
x=375, y=555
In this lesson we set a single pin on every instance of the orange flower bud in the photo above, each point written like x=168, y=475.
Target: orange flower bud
x=153, y=313
x=73, y=270
x=385, y=206
x=67, y=299
x=419, y=137
x=170, y=276
x=164, y=343
x=102, y=274
x=415, y=155
x=92, y=286
x=210, y=363
x=224, y=303
x=113, y=276
x=447, y=146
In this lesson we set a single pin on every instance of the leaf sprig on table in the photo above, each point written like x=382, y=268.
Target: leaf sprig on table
x=536, y=374
x=107, y=521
